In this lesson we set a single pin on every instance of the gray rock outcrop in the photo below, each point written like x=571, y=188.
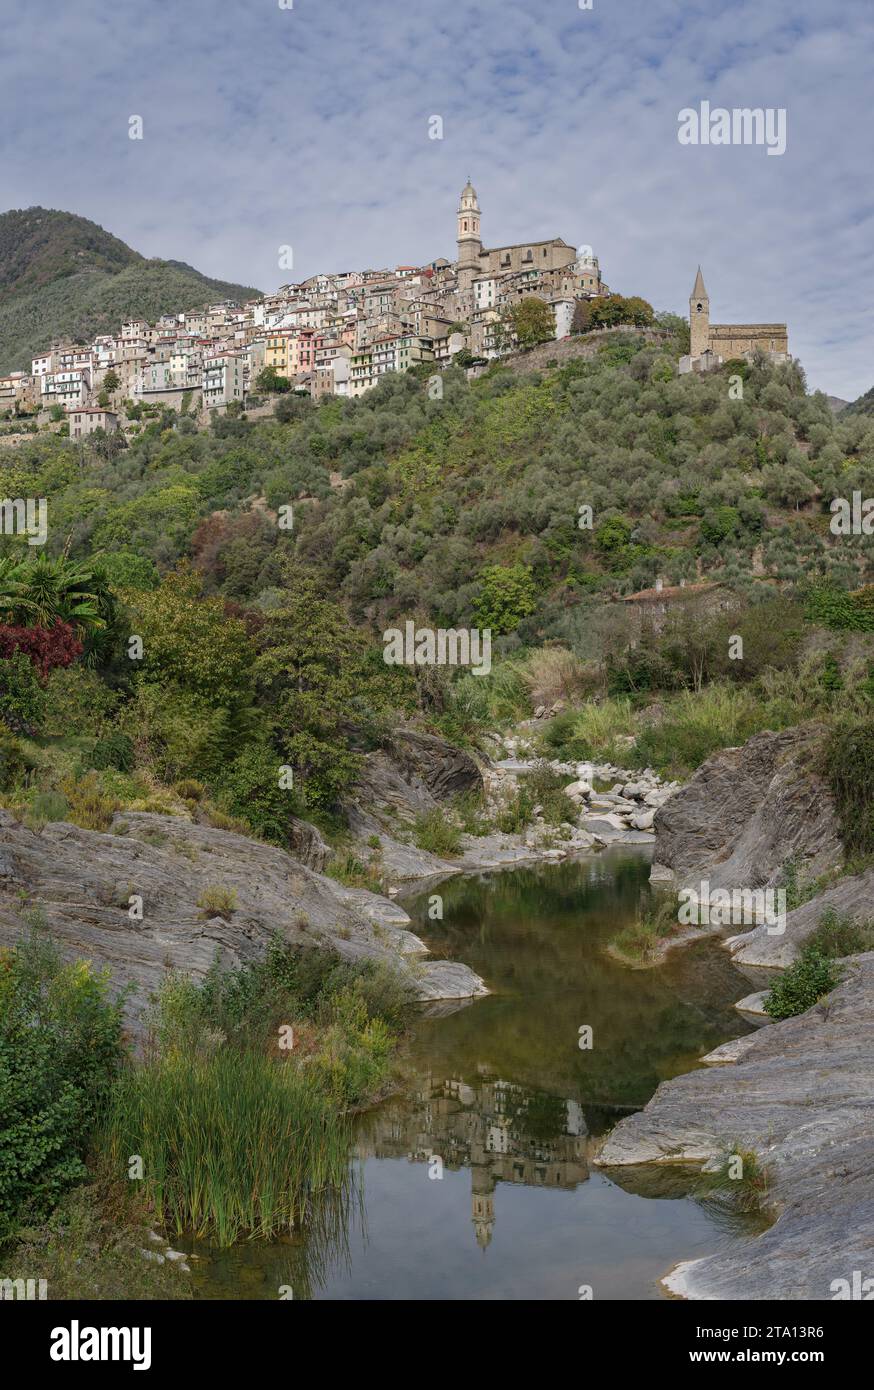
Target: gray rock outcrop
x=798, y=1094
x=202, y=893
x=851, y=897
x=749, y=810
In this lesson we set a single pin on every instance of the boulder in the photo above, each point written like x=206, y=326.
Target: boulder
x=747, y=811
x=443, y=769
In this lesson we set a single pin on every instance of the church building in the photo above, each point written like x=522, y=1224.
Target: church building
x=711, y=344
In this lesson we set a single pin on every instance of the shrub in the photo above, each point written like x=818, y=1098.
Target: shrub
x=741, y=1179
x=22, y=698
x=60, y=1047
x=46, y=807
x=115, y=750
x=250, y=790
x=436, y=834
x=517, y=812
x=849, y=766
x=838, y=935
x=189, y=789
x=799, y=988
x=77, y=699
x=506, y=597
x=639, y=942
x=90, y=807
x=220, y=902
x=15, y=761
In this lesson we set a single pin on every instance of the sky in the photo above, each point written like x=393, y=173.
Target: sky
x=309, y=123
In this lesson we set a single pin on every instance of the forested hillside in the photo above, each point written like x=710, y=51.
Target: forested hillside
x=529, y=504
x=62, y=276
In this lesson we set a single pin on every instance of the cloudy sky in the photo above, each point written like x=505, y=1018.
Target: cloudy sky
x=308, y=126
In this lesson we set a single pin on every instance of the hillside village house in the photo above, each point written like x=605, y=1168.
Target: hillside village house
x=87, y=419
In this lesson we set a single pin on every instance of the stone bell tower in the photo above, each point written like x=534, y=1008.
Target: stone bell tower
x=699, y=317
x=469, y=242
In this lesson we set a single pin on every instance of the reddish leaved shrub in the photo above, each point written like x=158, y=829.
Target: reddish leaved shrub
x=47, y=647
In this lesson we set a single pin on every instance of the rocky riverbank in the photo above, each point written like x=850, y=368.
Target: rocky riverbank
x=796, y=1094
x=136, y=900
x=419, y=774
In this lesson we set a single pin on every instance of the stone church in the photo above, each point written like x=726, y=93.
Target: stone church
x=476, y=263
x=711, y=344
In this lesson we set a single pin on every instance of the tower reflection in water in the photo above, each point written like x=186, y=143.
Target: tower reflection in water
x=498, y=1130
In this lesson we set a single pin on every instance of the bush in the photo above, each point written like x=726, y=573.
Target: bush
x=46, y=807
x=77, y=700
x=90, y=807
x=436, y=834
x=220, y=902
x=60, y=1048
x=115, y=751
x=799, y=988
x=838, y=935
x=15, y=761
x=849, y=766
x=250, y=790
x=22, y=698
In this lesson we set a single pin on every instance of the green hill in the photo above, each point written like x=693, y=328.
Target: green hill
x=863, y=406
x=62, y=276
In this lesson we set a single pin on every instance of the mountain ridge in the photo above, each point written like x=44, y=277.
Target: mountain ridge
x=63, y=276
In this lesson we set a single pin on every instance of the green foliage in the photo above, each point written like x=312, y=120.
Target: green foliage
x=126, y=570
x=324, y=682
x=191, y=643
x=434, y=832
x=532, y=321
x=114, y=750
x=838, y=935
x=507, y=595
x=836, y=608
x=15, y=761
x=38, y=592
x=278, y=1050
x=22, y=697
x=249, y=789
x=801, y=985
x=615, y=309
x=849, y=765
x=60, y=1047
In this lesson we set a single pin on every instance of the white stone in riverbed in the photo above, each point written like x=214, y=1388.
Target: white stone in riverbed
x=753, y=1003
x=578, y=788
x=642, y=820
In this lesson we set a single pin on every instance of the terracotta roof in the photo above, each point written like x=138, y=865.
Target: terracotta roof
x=668, y=591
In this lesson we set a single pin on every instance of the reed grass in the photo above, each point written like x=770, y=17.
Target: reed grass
x=234, y=1144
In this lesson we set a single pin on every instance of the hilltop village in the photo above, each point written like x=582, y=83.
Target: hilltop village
x=334, y=334
x=339, y=334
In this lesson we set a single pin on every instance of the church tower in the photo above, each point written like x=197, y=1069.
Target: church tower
x=699, y=317
x=469, y=243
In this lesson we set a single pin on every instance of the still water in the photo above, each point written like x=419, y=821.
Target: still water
x=476, y=1182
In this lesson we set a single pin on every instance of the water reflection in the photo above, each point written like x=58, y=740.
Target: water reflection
x=498, y=1131
x=503, y=1103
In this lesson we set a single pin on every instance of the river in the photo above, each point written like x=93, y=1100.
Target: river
x=476, y=1182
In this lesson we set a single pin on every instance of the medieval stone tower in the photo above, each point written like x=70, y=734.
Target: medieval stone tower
x=699, y=317
x=469, y=241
